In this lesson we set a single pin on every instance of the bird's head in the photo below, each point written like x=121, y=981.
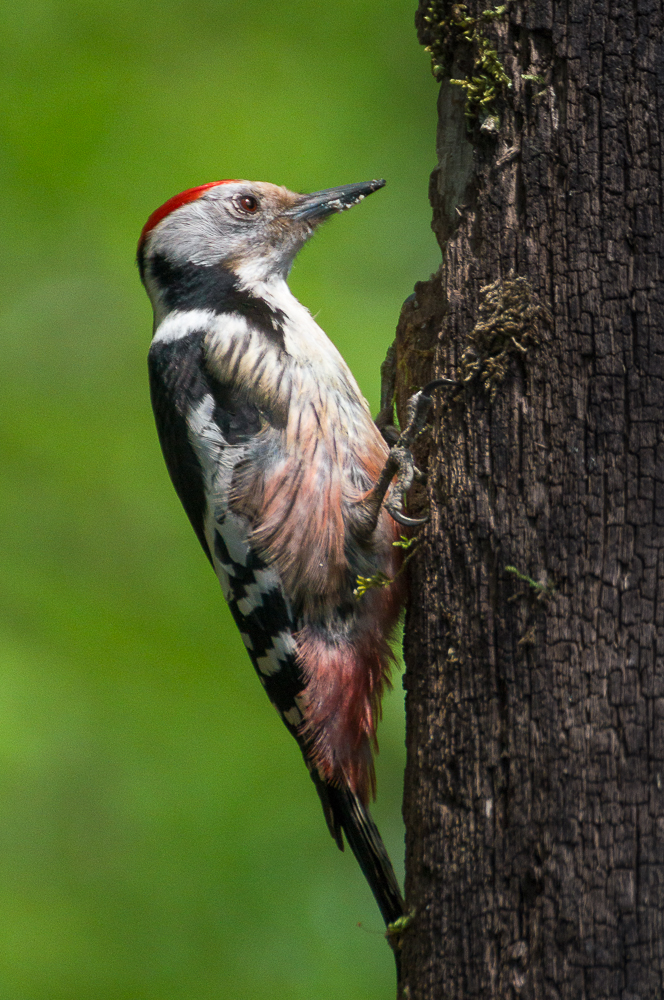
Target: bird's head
x=249, y=229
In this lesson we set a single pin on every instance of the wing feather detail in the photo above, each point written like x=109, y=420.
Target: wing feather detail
x=176, y=383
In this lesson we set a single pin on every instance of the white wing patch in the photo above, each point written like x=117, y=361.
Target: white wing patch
x=293, y=716
x=249, y=590
x=234, y=531
x=224, y=580
x=265, y=580
x=218, y=460
x=283, y=647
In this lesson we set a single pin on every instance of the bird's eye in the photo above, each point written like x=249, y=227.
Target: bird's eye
x=249, y=203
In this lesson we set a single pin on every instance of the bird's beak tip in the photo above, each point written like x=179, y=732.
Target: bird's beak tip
x=318, y=206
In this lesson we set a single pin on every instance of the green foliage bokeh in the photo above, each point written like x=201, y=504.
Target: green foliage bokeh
x=160, y=838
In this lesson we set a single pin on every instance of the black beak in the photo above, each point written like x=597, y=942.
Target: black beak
x=316, y=207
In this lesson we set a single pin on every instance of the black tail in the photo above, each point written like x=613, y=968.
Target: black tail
x=366, y=844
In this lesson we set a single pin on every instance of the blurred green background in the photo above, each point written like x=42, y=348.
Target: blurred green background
x=160, y=838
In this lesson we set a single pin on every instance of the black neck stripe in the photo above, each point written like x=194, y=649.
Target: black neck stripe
x=196, y=286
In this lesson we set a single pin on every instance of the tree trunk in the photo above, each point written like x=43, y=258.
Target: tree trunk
x=534, y=798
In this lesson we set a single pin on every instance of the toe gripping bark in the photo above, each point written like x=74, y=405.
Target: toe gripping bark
x=400, y=462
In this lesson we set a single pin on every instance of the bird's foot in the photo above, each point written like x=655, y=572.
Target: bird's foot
x=400, y=464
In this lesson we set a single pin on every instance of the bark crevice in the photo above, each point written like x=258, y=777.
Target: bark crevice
x=534, y=799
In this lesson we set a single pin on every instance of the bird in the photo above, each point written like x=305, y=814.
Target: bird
x=285, y=477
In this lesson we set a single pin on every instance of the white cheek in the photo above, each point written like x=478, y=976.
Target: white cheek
x=255, y=269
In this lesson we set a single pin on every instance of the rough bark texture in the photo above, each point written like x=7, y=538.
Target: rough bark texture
x=535, y=637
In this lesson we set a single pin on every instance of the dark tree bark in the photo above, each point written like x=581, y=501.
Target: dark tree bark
x=535, y=635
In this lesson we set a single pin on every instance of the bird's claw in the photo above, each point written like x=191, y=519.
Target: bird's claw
x=401, y=518
x=437, y=383
x=400, y=459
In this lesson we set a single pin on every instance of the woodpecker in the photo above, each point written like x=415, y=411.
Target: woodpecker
x=286, y=479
